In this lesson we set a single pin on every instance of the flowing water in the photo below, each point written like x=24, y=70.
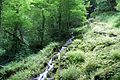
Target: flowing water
x=50, y=65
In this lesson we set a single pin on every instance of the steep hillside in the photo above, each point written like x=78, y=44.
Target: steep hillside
x=97, y=56
x=94, y=57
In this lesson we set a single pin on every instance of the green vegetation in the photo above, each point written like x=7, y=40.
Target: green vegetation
x=72, y=73
x=33, y=32
x=75, y=56
x=28, y=67
x=116, y=54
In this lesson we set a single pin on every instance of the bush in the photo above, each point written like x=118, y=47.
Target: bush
x=91, y=66
x=75, y=44
x=116, y=54
x=117, y=22
x=111, y=72
x=76, y=56
x=118, y=5
x=116, y=76
x=72, y=73
x=2, y=51
x=79, y=31
x=102, y=5
x=106, y=5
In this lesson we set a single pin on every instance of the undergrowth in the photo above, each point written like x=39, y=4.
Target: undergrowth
x=29, y=67
x=94, y=57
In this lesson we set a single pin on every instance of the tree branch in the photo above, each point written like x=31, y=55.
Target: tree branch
x=15, y=37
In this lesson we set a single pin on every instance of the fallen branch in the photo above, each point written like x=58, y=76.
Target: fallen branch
x=104, y=33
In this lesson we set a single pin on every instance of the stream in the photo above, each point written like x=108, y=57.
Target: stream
x=50, y=65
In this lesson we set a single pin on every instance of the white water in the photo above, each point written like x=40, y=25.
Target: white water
x=50, y=65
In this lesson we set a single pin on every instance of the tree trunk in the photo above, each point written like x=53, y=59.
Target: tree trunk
x=43, y=28
x=1, y=1
x=59, y=19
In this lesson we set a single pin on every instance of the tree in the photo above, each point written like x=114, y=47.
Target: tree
x=71, y=14
x=13, y=24
x=106, y=5
x=36, y=23
x=91, y=6
x=41, y=23
x=1, y=2
x=112, y=4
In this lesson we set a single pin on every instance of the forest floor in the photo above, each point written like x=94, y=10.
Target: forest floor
x=95, y=57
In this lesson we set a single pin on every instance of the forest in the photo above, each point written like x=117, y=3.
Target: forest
x=59, y=39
